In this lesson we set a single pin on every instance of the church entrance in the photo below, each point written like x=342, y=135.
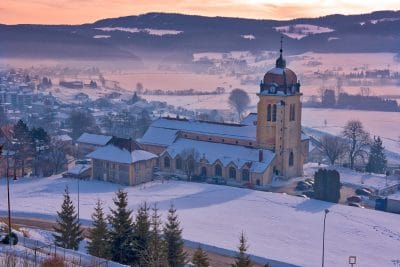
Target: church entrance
x=203, y=172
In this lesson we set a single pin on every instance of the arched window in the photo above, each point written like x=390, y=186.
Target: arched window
x=274, y=113
x=167, y=162
x=245, y=175
x=291, y=158
x=269, y=116
x=203, y=171
x=178, y=162
x=292, y=113
x=218, y=170
x=232, y=173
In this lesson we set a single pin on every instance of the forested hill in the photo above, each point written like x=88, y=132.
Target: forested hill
x=125, y=37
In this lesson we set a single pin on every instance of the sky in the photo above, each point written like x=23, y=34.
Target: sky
x=87, y=11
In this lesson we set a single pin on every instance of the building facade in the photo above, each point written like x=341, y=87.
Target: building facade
x=264, y=145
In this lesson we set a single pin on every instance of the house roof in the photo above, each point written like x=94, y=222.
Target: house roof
x=225, y=153
x=94, y=139
x=120, y=155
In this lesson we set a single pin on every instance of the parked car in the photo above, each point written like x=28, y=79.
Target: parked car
x=309, y=194
x=363, y=192
x=355, y=205
x=303, y=186
x=310, y=181
x=354, y=199
x=303, y=196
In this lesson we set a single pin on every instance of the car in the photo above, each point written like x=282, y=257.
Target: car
x=355, y=205
x=303, y=186
x=309, y=193
x=354, y=199
x=362, y=192
x=303, y=196
x=309, y=180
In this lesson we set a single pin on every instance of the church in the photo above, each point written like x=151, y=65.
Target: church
x=264, y=145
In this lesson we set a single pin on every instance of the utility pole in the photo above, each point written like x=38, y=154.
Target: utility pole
x=8, y=200
x=323, y=239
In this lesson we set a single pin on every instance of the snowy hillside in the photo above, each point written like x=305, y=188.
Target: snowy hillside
x=299, y=31
x=278, y=226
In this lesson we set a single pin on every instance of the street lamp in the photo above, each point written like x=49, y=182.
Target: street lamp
x=7, y=155
x=323, y=239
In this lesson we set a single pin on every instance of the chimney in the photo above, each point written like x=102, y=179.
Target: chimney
x=260, y=155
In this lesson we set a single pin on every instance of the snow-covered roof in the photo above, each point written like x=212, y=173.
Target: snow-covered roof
x=79, y=168
x=239, y=131
x=116, y=154
x=250, y=119
x=94, y=139
x=225, y=153
x=159, y=136
x=63, y=138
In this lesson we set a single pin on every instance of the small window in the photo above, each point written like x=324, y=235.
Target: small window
x=209, y=139
x=250, y=143
x=167, y=162
x=218, y=170
x=274, y=113
x=291, y=158
x=185, y=135
x=245, y=175
x=269, y=116
x=223, y=140
x=178, y=163
x=197, y=137
x=237, y=142
x=232, y=173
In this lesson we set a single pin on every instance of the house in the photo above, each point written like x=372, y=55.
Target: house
x=122, y=161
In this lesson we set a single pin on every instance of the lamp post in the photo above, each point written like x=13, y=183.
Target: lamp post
x=8, y=198
x=323, y=239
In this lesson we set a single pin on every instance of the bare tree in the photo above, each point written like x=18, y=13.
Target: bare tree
x=239, y=100
x=333, y=147
x=358, y=140
x=190, y=158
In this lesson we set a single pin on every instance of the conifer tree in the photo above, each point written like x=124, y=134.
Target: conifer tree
x=155, y=255
x=173, y=238
x=242, y=259
x=142, y=233
x=200, y=258
x=377, y=159
x=98, y=234
x=121, y=232
x=68, y=229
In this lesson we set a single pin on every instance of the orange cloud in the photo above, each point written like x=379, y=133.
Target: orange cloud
x=84, y=11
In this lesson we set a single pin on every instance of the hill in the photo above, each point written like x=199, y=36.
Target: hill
x=125, y=37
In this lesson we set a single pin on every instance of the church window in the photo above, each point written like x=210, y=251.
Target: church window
x=291, y=158
x=274, y=113
x=245, y=175
x=258, y=183
x=203, y=171
x=178, y=162
x=232, y=173
x=292, y=114
x=218, y=170
x=167, y=162
x=269, y=116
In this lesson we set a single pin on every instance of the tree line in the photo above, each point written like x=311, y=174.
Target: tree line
x=140, y=240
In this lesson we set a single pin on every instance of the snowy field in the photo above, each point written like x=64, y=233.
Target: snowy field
x=383, y=124
x=278, y=227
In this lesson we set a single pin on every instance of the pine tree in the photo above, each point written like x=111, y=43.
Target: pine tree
x=121, y=232
x=242, y=259
x=98, y=234
x=155, y=255
x=142, y=233
x=377, y=159
x=173, y=238
x=200, y=258
x=68, y=229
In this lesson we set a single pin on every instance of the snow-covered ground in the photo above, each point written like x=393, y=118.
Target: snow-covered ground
x=278, y=226
x=299, y=31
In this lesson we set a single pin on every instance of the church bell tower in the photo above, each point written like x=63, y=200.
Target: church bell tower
x=279, y=118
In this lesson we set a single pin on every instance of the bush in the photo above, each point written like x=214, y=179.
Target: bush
x=54, y=262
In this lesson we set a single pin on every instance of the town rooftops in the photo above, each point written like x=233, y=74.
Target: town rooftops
x=94, y=139
x=224, y=153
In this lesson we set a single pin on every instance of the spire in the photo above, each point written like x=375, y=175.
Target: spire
x=280, y=62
